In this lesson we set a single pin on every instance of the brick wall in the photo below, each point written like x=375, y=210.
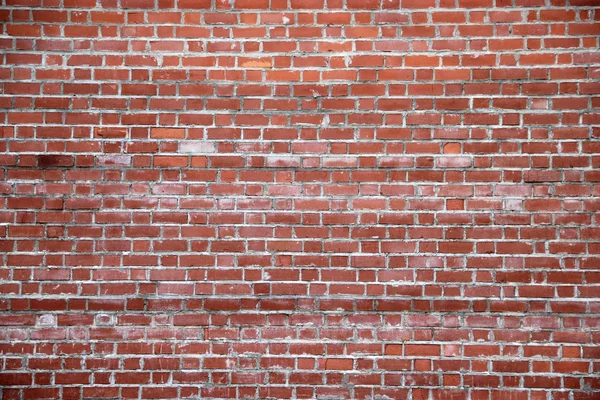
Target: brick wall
x=385, y=199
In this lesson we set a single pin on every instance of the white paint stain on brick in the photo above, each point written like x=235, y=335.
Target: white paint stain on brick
x=46, y=320
x=282, y=161
x=104, y=319
x=514, y=204
x=347, y=60
x=196, y=147
x=117, y=159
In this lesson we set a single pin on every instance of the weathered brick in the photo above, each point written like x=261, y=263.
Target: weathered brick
x=300, y=199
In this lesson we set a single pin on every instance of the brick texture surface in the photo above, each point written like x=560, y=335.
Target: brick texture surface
x=333, y=199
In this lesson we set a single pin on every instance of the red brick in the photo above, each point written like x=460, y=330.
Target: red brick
x=392, y=188
x=167, y=133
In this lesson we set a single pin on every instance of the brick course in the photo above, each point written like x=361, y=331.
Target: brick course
x=365, y=199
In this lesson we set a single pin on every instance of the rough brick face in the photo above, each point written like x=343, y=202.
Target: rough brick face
x=365, y=199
